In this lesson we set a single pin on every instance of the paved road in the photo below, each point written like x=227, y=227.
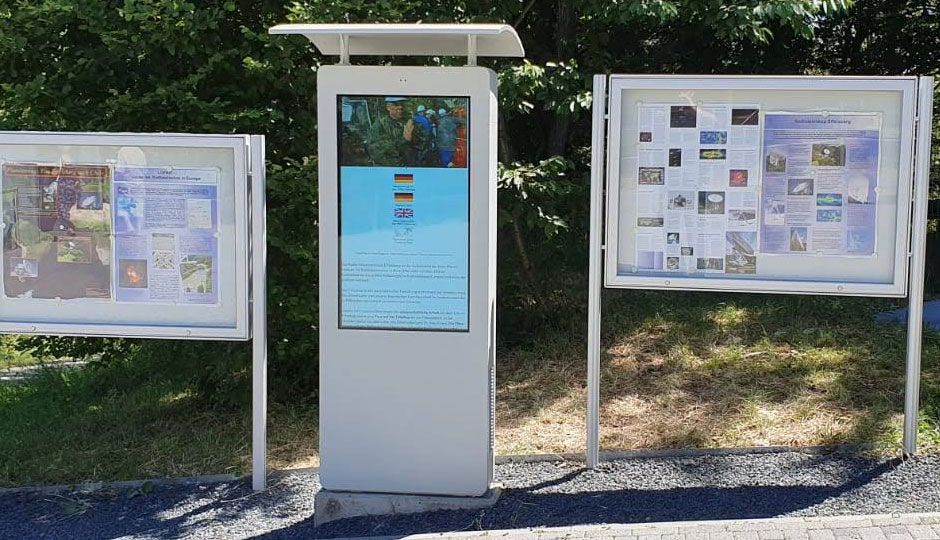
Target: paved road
x=877, y=527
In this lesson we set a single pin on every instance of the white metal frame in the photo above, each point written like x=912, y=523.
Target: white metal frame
x=918, y=254
x=912, y=225
x=239, y=146
x=259, y=315
x=618, y=83
x=250, y=272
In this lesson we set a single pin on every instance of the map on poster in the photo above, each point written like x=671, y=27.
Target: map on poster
x=820, y=183
x=57, y=230
x=166, y=235
x=697, y=197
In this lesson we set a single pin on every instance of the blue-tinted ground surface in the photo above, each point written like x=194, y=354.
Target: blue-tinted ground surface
x=539, y=495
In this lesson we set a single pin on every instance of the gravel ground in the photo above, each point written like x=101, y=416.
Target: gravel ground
x=544, y=494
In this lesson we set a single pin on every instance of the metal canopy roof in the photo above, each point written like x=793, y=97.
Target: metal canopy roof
x=409, y=39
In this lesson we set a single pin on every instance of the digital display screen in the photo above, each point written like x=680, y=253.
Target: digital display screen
x=404, y=210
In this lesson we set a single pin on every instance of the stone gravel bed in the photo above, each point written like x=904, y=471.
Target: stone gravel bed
x=538, y=494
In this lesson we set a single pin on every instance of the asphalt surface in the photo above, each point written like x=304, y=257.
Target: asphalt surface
x=543, y=494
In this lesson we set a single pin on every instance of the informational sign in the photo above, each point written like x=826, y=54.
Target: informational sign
x=820, y=183
x=165, y=228
x=125, y=234
x=696, y=201
x=404, y=212
x=782, y=184
x=57, y=237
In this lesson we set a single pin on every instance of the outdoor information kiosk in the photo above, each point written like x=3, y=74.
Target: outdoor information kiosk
x=137, y=235
x=798, y=185
x=407, y=172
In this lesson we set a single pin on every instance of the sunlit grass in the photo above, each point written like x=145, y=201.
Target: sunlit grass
x=679, y=370
x=697, y=370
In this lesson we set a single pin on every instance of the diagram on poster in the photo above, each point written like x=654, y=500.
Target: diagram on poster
x=166, y=235
x=820, y=183
x=57, y=231
x=696, y=197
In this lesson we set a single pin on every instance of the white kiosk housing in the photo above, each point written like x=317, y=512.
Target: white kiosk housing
x=407, y=176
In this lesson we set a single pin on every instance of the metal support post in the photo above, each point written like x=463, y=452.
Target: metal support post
x=915, y=309
x=471, y=50
x=259, y=317
x=343, y=50
x=599, y=128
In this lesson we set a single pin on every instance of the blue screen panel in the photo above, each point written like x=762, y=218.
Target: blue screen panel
x=404, y=202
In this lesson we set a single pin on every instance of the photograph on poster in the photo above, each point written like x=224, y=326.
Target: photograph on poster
x=740, y=252
x=745, y=117
x=58, y=239
x=652, y=176
x=681, y=201
x=675, y=157
x=713, y=137
x=682, y=116
x=711, y=202
x=737, y=178
x=776, y=161
x=649, y=221
x=799, y=186
x=404, y=234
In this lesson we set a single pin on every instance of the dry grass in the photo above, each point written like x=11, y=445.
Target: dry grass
x=688, y=370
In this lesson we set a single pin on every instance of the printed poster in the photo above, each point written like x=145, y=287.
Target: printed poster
x=57, y=230
x=696, y=199
x=166, y=235
x=819, y=190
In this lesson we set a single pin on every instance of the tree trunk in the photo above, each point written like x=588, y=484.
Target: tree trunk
x=566, y=26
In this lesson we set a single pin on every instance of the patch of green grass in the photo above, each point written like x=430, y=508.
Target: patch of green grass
x=131, y=420
x=13, y=354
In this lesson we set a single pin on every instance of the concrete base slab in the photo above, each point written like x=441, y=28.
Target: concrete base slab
x=333, y=505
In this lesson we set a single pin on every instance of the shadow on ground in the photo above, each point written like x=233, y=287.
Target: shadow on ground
x=684, y=370
x=546, y=495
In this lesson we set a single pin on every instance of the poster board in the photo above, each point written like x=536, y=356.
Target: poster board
x=125, y=235
x=763, y=184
